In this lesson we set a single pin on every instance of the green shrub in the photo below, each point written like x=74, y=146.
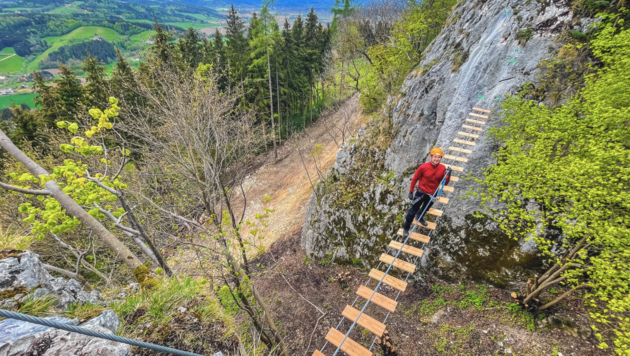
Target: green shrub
x=524, y=35
x=84, y=311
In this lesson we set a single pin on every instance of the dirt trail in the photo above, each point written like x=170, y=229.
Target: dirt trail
x=286, y=181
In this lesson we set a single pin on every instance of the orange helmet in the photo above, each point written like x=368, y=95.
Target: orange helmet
x=437, y=151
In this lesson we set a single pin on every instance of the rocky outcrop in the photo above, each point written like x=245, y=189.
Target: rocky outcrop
x=501, y=55
x=18, y=338
x=23, y=276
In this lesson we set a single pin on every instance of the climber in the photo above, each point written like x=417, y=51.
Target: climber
x=428, y=175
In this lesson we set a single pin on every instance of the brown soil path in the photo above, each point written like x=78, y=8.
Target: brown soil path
x=286, y=181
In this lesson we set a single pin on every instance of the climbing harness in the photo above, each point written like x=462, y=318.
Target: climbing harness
x=88, y=332
x=342, y=341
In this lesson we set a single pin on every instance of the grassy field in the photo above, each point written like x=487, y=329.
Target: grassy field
x=139, y=21
x=186, y=25
x=73, y=9
x=10, y=62
x=79, y=35
x=7, y=100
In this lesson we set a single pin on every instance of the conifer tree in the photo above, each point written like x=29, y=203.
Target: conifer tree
x=95, y=91
x=237, y=46
x=190, y=48
x=69, y=94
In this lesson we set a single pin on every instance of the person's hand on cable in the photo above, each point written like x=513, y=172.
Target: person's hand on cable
x=448, y=172
x=410, y=195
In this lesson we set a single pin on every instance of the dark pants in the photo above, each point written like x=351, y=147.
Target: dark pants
x=418, y=207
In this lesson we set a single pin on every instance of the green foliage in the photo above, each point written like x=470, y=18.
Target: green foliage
x=525, y=316
x=524, y=35
x=161, y=302
x=84, y=311
x=568, y=168
x=38, y=307
x=71, y=177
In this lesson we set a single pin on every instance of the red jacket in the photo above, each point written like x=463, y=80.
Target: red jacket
x=428, y=177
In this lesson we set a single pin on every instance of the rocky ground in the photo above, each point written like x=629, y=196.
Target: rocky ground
x=433, y=317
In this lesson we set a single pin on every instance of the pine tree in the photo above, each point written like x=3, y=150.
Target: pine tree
x=191, y=49
x=161, y=48
x=46, y=100
x=237, y=47
x=27, y=127
x=69, y=94
x=95, y=90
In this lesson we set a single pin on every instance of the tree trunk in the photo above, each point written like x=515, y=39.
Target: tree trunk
x=311, y=104
x=340, y=80
x=71, y=207
x=278, y=101
x=273, y=126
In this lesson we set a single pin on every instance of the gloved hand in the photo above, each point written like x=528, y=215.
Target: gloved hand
x=410, y=195
x=448, y=171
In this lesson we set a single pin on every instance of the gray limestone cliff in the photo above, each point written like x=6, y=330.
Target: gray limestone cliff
x=347, y=223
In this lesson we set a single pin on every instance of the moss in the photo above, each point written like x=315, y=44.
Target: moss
x=10, y=293
x=147, y=282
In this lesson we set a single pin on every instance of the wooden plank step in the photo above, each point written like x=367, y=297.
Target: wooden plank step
x=435, y=212
x=430, y=225
x=460, y=159
x=476, y=121
x=478, y=115
x=455, y=168
x=467, y=134
x=482, y=110
x=442, y=200
x=372, y=325
x=454, y=179
x=378, y=299
x=449, y=189
x=457, y=149
x=474, y=128
x=406, y=248
x=389, y=280
x=469, y=143
x=349, y=346
x=405, y=266
x=416, y=236
x=317, y=353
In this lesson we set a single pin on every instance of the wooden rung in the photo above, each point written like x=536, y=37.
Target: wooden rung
x=454, y=179
x=430, y=225
x=317, y=353
x=378, y=299
x=349, y=346
x=449, y=189
x=389, y=280
x=406, y=249
x=460, y=159
x=435, y=212
x=457, y=149
x=474, y=128
x=469, y=143
x=405, y=266
x=461, y=133
x=455, y=168
x=478, y=122
x=372, y=325
x=416, y=236
x=442, y=200
x=482, y=110
x=478, y=115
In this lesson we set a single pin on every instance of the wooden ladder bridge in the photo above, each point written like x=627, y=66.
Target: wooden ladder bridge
x=462, y=145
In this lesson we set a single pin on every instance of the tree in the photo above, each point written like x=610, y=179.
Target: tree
x=190, y=48
x=197, y=135
x=58, y=211
x=95, y=90
x=237, y=47
x=262, y=44
x=567, y=168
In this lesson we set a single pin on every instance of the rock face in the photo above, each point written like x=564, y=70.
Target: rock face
x=435, y=104
x=25, y=274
